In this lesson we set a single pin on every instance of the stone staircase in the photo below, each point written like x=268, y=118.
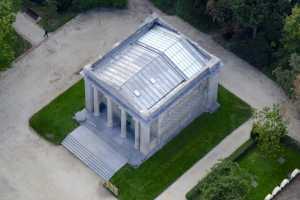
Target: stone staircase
x=94, y=153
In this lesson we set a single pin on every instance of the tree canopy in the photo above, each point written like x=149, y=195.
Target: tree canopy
x=7, y=17
x=291, y=36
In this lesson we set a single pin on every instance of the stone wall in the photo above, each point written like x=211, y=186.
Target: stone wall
x=185, y=110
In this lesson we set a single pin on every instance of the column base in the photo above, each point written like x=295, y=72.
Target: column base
x=213, y=107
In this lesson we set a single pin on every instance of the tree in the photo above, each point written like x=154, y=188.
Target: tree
x=63, y=5
x=253, y=14
x=268, y=129
x=220, y=11
x=7, y=17
x=286, y=75
x=227, y=181
x=291, y=30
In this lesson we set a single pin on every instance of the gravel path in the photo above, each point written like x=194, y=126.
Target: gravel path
x=31, y=168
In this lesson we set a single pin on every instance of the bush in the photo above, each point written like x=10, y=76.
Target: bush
x=7, y=33
x=291, y=36
x=38, y=1
x=268, y=130
x=63, y=5
x=167, y=6
x=83, y=5
x=255, y=51
x=194, y=11
x=286, y=74
x=227, y=181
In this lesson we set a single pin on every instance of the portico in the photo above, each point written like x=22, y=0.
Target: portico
x=116, y=117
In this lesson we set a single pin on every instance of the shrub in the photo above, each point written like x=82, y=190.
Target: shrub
x=256, y=51
x=7, y=34
x=194, y=11
x=167, y=6
x=291, y=36
x=268, y=130
x=227, y=181
x=286, y=74
x=63, y=5
x=83, y=5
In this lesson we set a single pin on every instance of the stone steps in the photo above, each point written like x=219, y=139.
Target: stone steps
x=91, y=160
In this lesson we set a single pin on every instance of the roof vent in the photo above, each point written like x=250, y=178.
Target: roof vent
x=152, y=80
x=137, y=93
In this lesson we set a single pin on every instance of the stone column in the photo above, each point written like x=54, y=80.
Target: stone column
x=96, y=102
x=88, y=94
x=136, y=134
x=109, y=112
x=145, y=138
x=123, y=123
x=212, y=89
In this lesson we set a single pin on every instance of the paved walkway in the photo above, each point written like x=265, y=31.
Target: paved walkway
x=35, y=169
x=28, y=29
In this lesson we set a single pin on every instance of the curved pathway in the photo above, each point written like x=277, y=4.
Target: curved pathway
x=31, y=168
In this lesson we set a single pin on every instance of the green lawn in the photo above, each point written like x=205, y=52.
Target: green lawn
x=55, y=121
x=157, y=173
x=269, y=172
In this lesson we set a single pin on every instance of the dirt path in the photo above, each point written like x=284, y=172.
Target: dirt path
x=31, y=168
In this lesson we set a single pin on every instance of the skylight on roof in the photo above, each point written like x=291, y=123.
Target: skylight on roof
x=152, y=80
x=137, y=93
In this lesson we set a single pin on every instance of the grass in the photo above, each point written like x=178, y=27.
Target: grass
x=268, y=172
x=157, y=173
x=51, y=19
x=55, y=121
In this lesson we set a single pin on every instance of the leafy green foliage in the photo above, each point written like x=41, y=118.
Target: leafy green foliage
x=291, y=36
x=268, y=129
x=167, y=6
x=63, y=5
x=7, y=34
x=256, y=51
x=227, y=181
x=83, y=5
x=286, y=75
x=193, y=11
x=220, y=11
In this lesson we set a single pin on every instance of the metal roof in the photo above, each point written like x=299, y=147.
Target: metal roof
x=176, y=48
x=146, y=68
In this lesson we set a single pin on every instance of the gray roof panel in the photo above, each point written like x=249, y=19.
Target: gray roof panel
x=150, y=66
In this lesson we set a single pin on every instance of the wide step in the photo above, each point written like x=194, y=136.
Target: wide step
x=93, y=152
